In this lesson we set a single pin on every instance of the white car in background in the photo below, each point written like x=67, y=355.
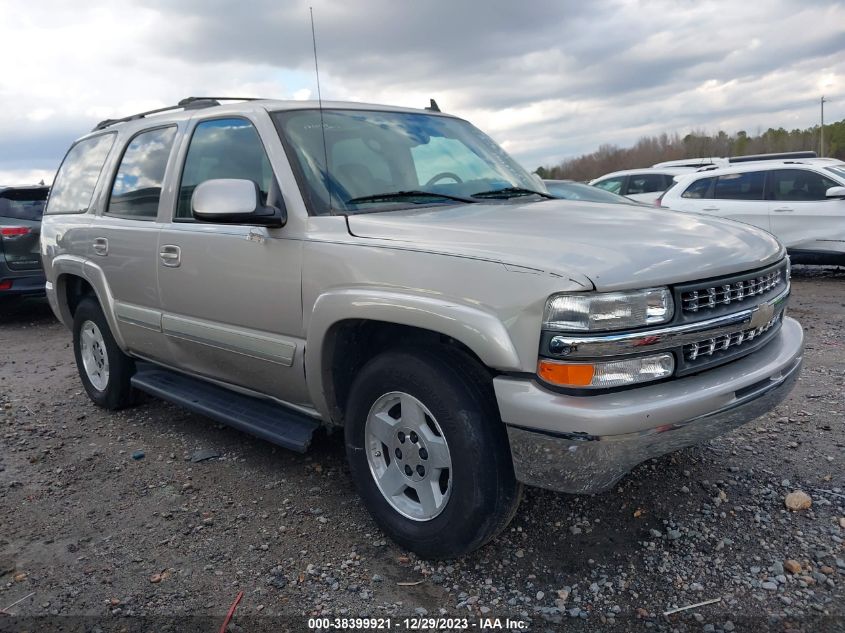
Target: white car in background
x=647, y=183
x=802, y=202
x=642, y=185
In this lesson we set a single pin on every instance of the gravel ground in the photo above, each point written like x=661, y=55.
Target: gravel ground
x=105, y=515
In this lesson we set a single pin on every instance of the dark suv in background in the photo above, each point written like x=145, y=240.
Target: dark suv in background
x=20, y=227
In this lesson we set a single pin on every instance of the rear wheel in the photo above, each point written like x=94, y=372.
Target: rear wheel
x=429, y=453
x=104, y=369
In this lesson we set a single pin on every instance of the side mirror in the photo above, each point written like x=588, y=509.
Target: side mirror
x=234, y=201
x=835, y=192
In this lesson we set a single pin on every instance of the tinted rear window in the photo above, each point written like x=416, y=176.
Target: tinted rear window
x=23, y=204
x=78, y=175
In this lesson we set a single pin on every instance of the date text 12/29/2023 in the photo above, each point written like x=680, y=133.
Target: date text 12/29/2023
x=417, y=624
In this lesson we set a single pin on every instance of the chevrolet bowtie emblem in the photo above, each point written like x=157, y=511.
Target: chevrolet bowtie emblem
x=762, y=315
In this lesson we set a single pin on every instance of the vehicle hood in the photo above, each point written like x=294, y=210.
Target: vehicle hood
x=614, y=246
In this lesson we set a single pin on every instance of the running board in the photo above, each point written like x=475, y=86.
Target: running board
x=263, y=418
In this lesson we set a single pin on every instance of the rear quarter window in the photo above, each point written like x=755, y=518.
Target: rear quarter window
x=79, y=174
x=698, y=189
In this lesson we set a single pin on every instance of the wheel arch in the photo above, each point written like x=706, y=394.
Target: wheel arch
x=349, y=327
x=77, y=278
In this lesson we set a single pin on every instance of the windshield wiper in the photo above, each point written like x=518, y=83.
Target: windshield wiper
x=510, y=192
x=398, y=196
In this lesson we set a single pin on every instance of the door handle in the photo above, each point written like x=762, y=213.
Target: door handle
x=171, y=256
x=101, y=246
x=710, y=209
x=783, y=210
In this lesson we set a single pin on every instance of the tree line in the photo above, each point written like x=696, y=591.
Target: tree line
x=697, y=144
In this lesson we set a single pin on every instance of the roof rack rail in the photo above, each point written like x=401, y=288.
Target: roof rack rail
x=188, y=103
x=776, y=156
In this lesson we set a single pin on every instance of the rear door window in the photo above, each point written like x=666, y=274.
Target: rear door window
x=137, y=185
x=613, y=185
x=744, y=186
x=799, y=185
x=78, y=176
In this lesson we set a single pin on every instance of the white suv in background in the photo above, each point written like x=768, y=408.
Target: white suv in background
x=802, y=202
x=642, y=185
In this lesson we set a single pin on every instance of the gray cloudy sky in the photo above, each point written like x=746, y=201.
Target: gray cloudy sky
x=547, y=79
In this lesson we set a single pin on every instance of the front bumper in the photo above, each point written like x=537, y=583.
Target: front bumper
x=585, y=444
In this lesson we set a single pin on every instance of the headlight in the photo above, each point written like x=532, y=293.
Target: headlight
x=604, y=375
x=585, y=312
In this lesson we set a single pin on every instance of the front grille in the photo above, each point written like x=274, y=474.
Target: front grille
x=723, y=342
x=735, y=291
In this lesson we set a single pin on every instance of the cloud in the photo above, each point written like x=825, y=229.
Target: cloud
x=547, y=79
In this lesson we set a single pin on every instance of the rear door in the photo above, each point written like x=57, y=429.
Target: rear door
x=125, y=239
x=21, y=209
x=802, y=217
x=737, y=196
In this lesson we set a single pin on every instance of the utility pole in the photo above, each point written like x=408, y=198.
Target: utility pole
x=821, y=143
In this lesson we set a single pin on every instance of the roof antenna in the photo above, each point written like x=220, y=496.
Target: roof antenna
x=320, y=105
x=433, y=107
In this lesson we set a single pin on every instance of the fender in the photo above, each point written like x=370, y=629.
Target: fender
x=64, y=266
x=481, y=331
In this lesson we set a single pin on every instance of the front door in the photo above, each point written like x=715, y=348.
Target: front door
x=231, y=294
x=802, y=217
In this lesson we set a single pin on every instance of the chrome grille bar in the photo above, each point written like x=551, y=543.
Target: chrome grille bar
x=708, y=297
x=708, y=347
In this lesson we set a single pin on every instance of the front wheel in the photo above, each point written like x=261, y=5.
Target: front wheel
x=104, y=369
x=429, y=453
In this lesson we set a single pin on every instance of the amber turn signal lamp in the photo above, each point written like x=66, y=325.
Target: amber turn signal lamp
x=564, y=374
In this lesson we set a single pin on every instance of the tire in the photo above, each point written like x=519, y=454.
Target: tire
x=478, y=493
x=108, y=372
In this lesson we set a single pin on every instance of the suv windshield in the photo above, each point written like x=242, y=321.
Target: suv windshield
x=839, y=170
x=379, y=161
